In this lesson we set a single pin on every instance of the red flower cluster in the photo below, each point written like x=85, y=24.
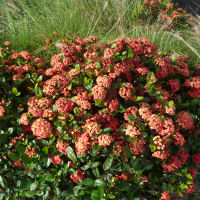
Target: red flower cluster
x=185, y=120
x=41, y=128
x=78, y=176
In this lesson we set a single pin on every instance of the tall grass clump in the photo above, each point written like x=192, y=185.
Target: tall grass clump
x=26, y=23
x=191, y=38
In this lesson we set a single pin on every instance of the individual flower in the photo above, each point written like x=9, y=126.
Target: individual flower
x=47, y=113
x=184, y=155
x=56, y=160
x=123, y=176
x=196, y=158
x=145, y=111
x=73, y=72
x=41, y=128
x=155, y=122
x=165, y=195
x=30, y=152
x=164, y=154
x=104, y=81
x=159, y=142
x=113, y=123
x=127, y=92
x=44, y=102
x=82, y=143
x=169, y=110
x=18, y=163
x=92, y=127
x=64, y=105
x=179, y=139
x=113, y=105
x=24, y=119
x=193, y=82
x=130, y=111
x=7, y=43
x=105, y=140
x=132, y=131
x=61, y=147
x=168, y=128
x=79, y=175
x=138, y=146
x=191, y=189
x=185, y=120
x=98, y=92
x=2, y=111
x=173, y=165
x=193, y=172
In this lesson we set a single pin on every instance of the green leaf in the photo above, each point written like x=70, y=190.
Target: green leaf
x=62, y=56
x=76, y=110
x=174, y=57
x=99, y=182
x=71, y=154
x=76, y=190
x=131, y=118
x=48, y=162
x=122, y=129
x=106, y=130
x=69, y=87
x=45, y=150
x=38, y=91
x=153, y=148
x=51, y=141
x=88, y=181
x=85, y=167
x=148, y=166
x=25, y=158
x=138, y=98
x=20, y=148
x=15, y=91
x=33, y=187
x=40, y=78
x=101, y=191
x=107, y=164
x=111, y=196
x=99, y=103
x=46, y=195
x=77, y=67
x=13, y=156
x=96, y=172
x=95, y=164
x=1, y=181
x=25, y=184
x=150, y=75
x=127, y=151
x=95, y=195
x=113, y=46
x=171, y=103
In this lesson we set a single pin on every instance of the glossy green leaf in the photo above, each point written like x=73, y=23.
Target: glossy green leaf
x=33, y=187
x=88, y=181
x=71, y=154
x=107, y=164
x=99, y=182
x=131, y=118
x=13, y=156
x=1, y=181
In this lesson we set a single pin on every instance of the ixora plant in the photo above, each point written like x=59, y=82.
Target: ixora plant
x=165, y=12
x=115, y=120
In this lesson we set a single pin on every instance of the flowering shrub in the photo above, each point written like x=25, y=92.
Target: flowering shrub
x=99, y=121
x=166, y=12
